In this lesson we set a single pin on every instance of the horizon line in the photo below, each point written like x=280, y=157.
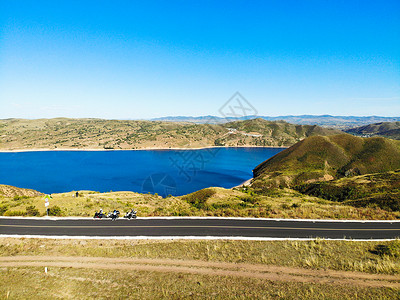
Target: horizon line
x=205, y=116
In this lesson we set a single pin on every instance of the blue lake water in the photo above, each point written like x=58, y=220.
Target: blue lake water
x=165, y=172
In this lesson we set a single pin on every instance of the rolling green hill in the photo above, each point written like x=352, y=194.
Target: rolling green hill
x=321, y=158
x=385, y=129
x=62, y=133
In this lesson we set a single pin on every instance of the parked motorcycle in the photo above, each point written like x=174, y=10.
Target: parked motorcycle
x=99, y=215
x=113, y=215
x=131, y=214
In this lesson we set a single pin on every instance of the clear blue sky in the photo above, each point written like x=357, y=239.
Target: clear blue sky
x=144, y=59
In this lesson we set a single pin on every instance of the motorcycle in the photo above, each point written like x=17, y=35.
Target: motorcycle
x=113, y=215
x=99, y=215
x=131, y=214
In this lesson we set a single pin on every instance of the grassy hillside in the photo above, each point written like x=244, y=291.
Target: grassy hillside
x=102, y=134
x=264, y=133
x=325, y=158
x=373, y=190
x=12, y=191
x=385, y=129
x=238, y=202
x=62, y=133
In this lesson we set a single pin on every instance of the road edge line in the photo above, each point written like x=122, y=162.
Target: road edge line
x=206, y=218
x=239, y=238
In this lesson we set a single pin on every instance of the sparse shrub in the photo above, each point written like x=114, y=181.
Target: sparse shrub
x=158, y=211
x=388, y=201
x=32, y=211
x=330, y=191
x=391, y=249
x=219, y=142
x=248, y=199
x=267, y=207
x=266, y=189
x=221, y=205
x=247, y=190
x=231, y=206
x=198, y=198
x=17, y=197
x=55, y=211
x=229, y=212
x=88, y=205
x=10, y=213
x=3, y=209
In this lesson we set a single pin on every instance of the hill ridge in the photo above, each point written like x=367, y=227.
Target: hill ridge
x=385, y=129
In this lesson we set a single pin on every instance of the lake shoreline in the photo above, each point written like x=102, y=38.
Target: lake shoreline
x=244, y=183
x=156, y=171
x=140, y=149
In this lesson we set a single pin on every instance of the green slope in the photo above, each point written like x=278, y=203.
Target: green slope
x=321, y=158
x=372, y=190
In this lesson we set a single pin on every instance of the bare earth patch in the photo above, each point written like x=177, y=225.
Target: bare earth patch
x=266, y=272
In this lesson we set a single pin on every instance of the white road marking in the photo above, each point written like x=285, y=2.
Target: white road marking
x=205, y=218
x=239, y=238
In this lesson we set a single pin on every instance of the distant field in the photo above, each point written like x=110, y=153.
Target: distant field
x=62, y=133
x=79, y=269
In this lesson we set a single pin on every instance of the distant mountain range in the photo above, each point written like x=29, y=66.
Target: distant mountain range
x=340, y=122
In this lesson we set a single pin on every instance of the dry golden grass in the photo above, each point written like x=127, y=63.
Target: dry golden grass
x=67, y=283
x=104, y=280
x=225, y=202
x=314, y=254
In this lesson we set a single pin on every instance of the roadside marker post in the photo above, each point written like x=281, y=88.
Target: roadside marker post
x=47, y=203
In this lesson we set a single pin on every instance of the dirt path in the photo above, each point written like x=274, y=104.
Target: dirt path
x=266, y=272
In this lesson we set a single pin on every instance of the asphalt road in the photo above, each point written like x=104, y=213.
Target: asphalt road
x=200, y=227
